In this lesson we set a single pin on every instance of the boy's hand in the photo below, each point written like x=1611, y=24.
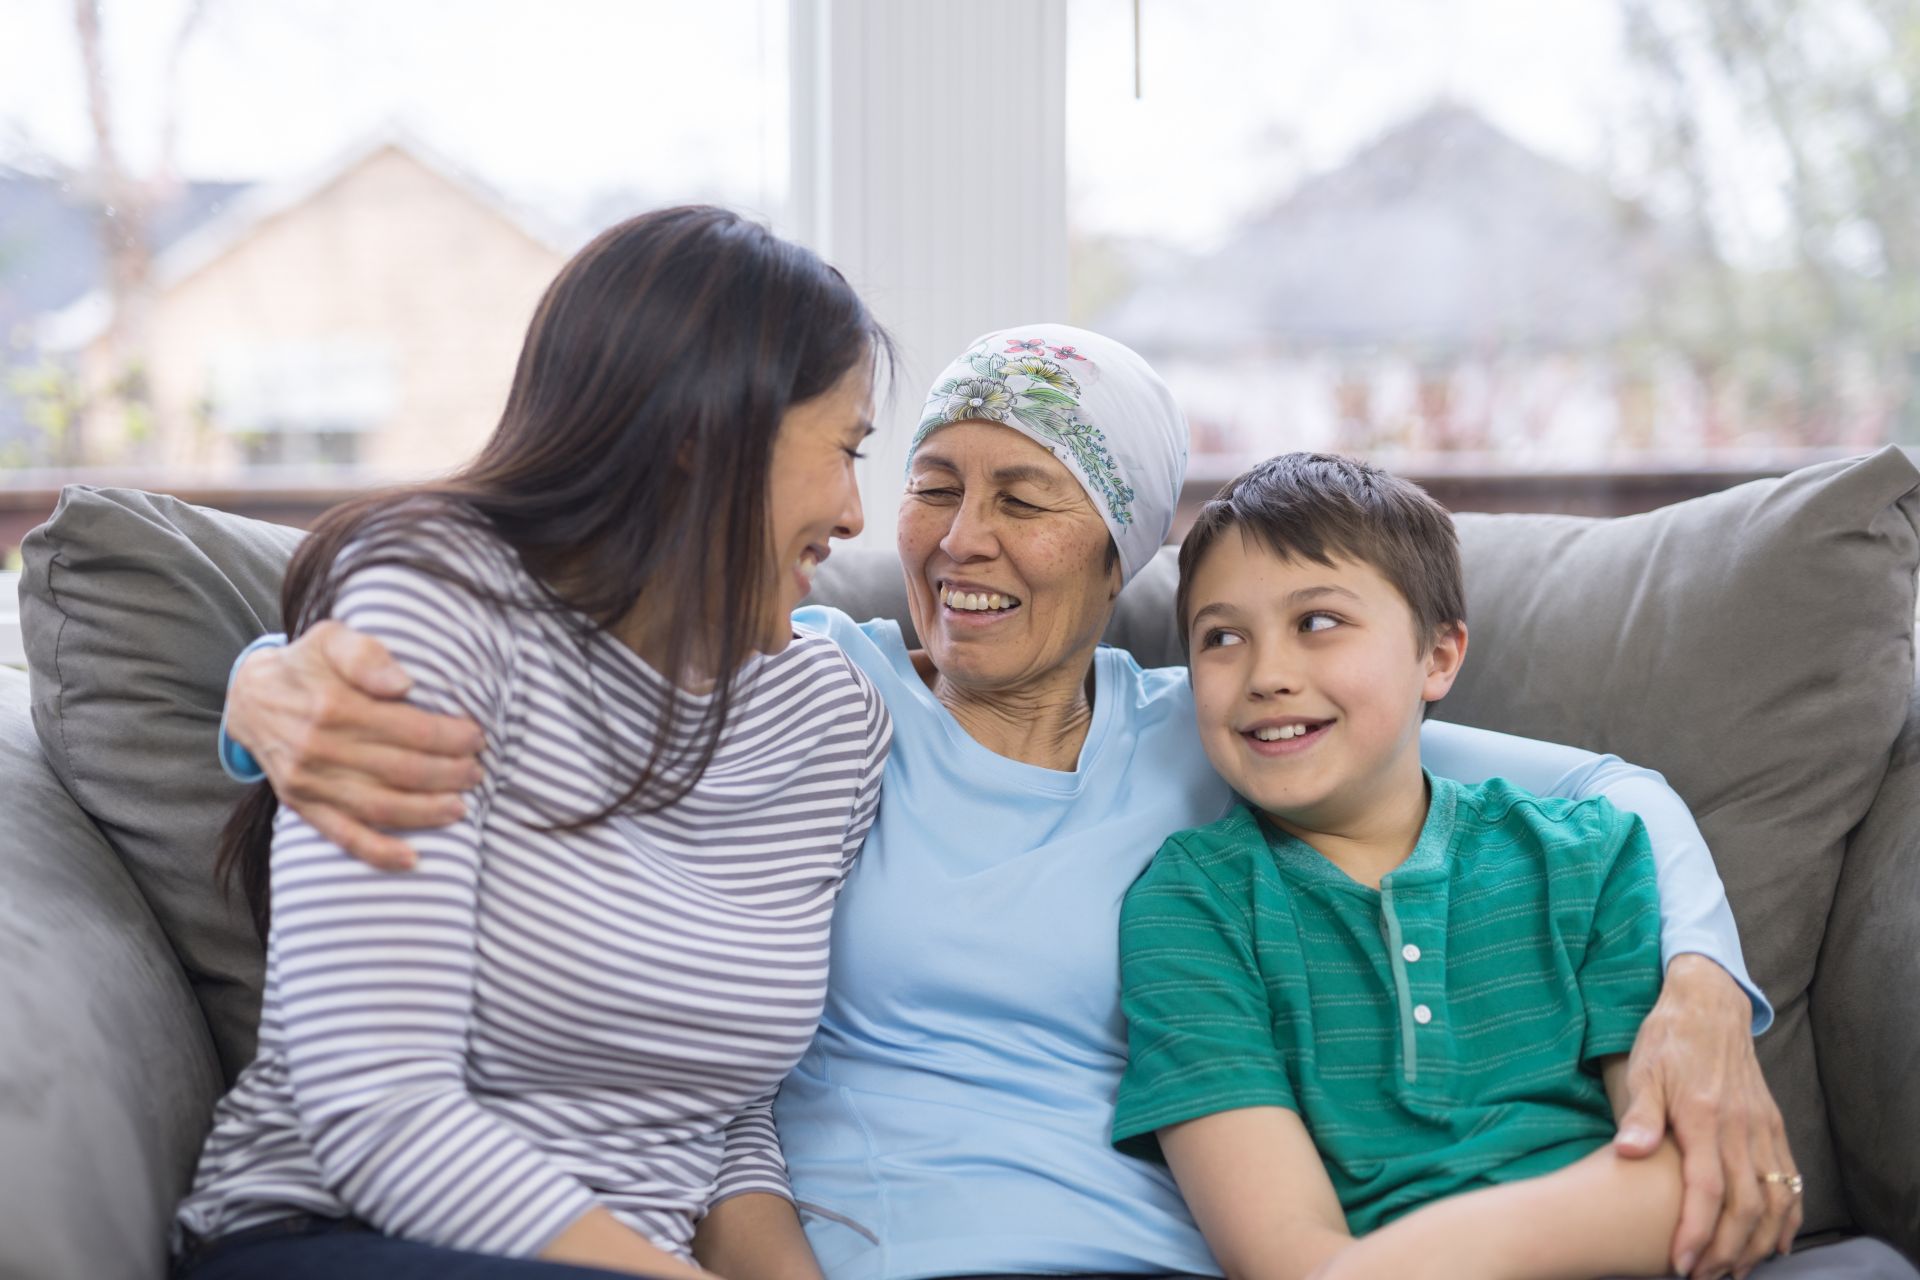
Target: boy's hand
x=1693, y=1071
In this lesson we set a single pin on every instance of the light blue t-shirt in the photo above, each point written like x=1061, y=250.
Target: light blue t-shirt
x=951, y=1116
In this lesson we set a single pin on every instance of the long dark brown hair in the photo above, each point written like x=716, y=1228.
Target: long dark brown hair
x=632, y=462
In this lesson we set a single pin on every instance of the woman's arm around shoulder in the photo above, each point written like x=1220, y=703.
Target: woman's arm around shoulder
x=1695, y=917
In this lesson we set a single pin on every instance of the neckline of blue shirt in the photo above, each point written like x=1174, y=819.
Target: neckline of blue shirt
x=988, y=762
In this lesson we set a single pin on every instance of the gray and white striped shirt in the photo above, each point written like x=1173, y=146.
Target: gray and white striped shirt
x=534, y=1022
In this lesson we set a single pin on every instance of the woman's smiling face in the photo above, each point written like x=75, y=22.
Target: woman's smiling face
x=1008, y=573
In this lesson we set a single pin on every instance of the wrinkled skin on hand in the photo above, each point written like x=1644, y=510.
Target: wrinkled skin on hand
x=1693, y=1071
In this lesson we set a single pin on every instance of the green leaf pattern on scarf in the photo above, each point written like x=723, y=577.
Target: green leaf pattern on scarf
x=1040, y=395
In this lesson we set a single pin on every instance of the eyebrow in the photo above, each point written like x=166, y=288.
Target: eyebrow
x=1204, y=612
x=1305, y=595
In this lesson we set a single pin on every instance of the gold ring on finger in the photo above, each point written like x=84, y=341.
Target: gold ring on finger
x=1791, y=1181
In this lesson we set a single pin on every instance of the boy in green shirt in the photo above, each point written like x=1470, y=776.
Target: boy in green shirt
x=1370, y=1002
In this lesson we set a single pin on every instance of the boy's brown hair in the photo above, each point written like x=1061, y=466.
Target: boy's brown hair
x=1316, y=506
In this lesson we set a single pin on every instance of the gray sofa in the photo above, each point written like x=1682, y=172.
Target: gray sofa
x=1756, y=646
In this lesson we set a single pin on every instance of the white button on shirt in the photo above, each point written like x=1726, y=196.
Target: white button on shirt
x=1410, y=952
x=1422, y=1014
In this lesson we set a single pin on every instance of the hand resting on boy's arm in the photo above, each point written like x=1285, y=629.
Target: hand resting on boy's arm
x=1258, y=1189
x=1693, y=1069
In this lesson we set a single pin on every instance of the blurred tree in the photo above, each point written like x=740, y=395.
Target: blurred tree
x=124, y=202
x=1818, y=332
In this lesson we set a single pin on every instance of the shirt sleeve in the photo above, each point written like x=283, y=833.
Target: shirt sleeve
x=375, y=971
x=235, y=760
x=1199, y=1030
x=1695, y=917
x=879, y=743
x=1619, y=975
x=751, y=1159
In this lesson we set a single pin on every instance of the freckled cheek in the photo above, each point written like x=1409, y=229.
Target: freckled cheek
x=1056, y=559
x=920, y=532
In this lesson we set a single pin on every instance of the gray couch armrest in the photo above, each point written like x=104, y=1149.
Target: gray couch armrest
x=1866, y=1005
x=107, y=1073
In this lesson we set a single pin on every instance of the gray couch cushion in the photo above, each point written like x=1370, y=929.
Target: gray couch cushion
x=1863, y=1004
x=1756, y=647
x=107, y=1075
x=132, y=607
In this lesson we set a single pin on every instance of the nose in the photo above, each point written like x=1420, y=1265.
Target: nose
x=971, y=534
x=1273, y=673
x=852, y=518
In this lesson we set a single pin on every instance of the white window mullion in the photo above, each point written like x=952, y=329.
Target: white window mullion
x=929, y=165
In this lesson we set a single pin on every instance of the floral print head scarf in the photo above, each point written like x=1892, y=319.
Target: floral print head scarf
x=1089, y=401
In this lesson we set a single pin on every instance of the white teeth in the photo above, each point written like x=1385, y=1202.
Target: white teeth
x=809, y=565
x=1269, y=733
x=977, y=601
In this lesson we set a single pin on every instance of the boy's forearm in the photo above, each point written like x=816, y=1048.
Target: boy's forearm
x=1600, y=1216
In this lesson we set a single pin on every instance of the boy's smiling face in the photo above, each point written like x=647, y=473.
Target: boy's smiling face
x=1309, y=681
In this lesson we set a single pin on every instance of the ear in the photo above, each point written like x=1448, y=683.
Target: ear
x=1443, y=658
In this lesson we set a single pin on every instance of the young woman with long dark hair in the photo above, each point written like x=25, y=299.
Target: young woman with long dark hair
x=557, y=1041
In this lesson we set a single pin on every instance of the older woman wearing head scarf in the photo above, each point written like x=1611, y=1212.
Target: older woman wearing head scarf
x=951, y=1116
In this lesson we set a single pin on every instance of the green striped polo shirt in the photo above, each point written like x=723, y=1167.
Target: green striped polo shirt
x=1436, y=1034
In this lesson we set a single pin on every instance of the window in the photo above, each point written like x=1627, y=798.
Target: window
x=1596, y=234
x=312, y=233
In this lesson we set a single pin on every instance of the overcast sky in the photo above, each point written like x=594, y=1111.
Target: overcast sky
x=559, y=101
x=1248, y=96
x=551, y=100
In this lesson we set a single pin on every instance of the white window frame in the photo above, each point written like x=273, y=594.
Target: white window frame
x=928, y=162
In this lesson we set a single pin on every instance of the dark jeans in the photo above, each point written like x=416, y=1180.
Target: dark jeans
x=308, y=1248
